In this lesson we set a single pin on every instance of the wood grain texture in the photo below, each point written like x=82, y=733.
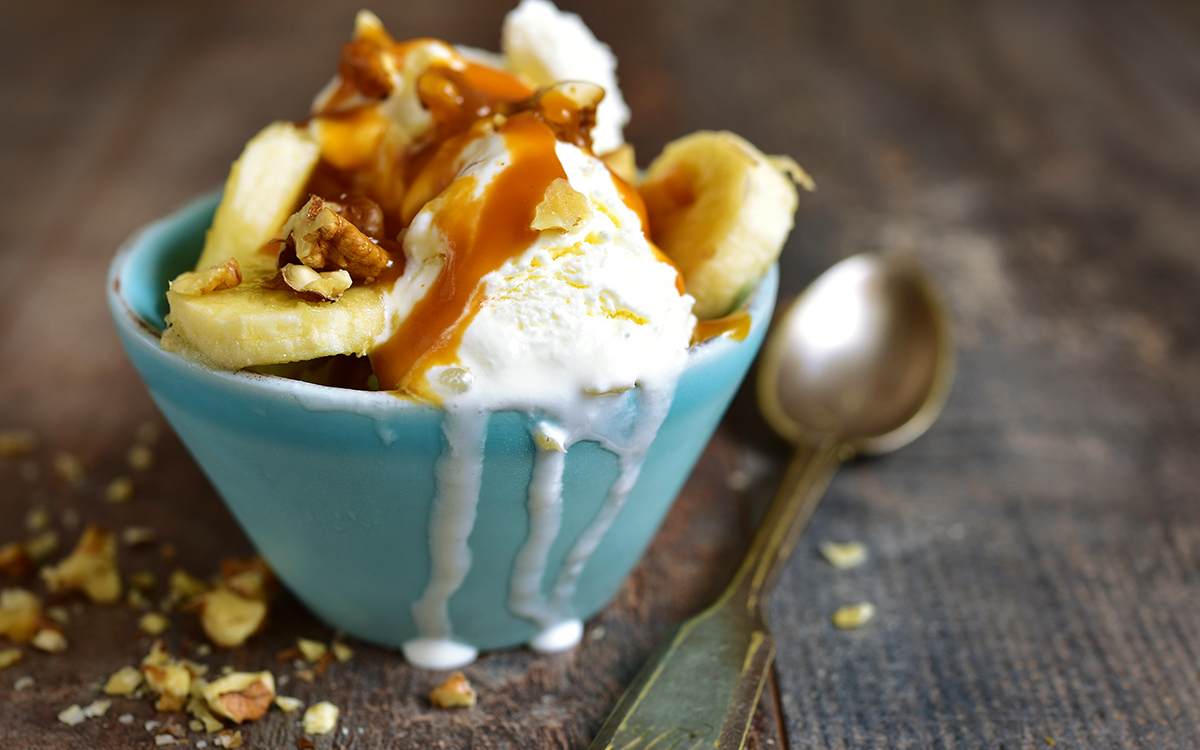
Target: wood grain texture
x=1035, y=558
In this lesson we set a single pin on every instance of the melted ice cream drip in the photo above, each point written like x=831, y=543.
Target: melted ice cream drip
x=624, y=424
x=561, y=630
x=654, y=405
x=459, y=471
x=545, y=519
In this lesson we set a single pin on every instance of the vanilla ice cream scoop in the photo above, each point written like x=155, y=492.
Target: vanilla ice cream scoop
x=585, y=307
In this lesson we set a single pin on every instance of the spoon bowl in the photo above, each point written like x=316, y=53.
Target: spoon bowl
x=864, y=355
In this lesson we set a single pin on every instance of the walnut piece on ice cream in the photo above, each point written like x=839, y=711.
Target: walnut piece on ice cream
x=241, y=696
x=212, y=279
x=562, y=208
x=91, y=568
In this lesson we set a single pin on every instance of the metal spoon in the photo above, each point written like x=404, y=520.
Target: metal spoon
x=860, y=363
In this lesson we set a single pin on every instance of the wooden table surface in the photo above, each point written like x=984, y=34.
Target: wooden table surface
x=1035, y=558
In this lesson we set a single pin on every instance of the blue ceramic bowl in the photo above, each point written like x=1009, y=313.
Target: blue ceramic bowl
x=335, y=486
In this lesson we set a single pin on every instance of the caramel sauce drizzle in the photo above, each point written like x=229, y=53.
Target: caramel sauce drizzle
x=464, y=100
x=481, y=235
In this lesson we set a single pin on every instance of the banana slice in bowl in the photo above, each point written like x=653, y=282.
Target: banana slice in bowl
x=721, y=210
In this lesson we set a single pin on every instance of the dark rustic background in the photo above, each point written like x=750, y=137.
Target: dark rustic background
x=1035, y=558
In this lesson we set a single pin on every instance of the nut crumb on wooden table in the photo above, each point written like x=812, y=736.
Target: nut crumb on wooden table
x=1032, y=559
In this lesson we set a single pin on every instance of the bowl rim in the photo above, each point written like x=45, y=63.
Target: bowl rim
x=144, y=335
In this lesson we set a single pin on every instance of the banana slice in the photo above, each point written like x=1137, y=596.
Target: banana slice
x=721, y=210
x=263, y=189
x=249, y=325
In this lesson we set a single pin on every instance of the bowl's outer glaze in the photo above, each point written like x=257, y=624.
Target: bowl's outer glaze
x=334, y=487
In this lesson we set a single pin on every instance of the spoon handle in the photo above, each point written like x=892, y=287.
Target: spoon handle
x=701, y=685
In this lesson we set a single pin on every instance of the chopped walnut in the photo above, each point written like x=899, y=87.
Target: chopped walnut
x=37, y=519
x=119, y=490
x=183, y=586
x=366, y=65
x=90, y=568
x=59, y=614
x=124, y=681
x=153, y=623
x=310, y=649
x=314, y=286
x=853, y=615
x=569, y=108
x=72, y=715
x=844, y=556
x=320, y=718
x=228, y=618
x=40, y=546
x=16, y=443
x=251, y=577
x=327, y=241
x=135, y=599
x=140, y=458
x=287, y=704
x=241, y=696
x=9, y=657
x=455, y=692
x=197, y=706
x=212, y=279
x=49, y=640
x=142, y=580
x=365, y=214
x=342, y=652
x=229, y=739
x=70, y=469
x=167, y=678
x=20, y=615
x=562, y=208
x=15, y=561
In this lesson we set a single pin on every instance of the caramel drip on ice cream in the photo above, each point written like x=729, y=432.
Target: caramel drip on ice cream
x=480, y=235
